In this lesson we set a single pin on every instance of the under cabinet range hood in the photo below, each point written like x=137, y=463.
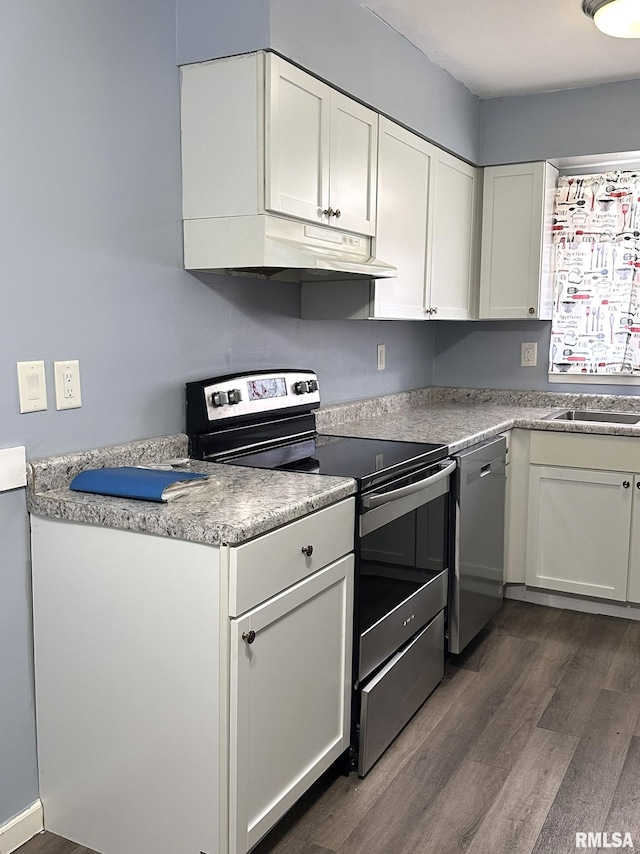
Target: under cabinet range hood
x=276, y=248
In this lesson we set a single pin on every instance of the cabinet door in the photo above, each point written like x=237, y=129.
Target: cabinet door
x=353, y=165
x=578, y=531
x=405, y=163
x=290, y=698
x=515, y=276
x=453, y=276
x=297, y=127
x=633, y=593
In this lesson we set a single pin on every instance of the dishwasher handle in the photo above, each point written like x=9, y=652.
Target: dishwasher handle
x=376, y=499
x=495, y=466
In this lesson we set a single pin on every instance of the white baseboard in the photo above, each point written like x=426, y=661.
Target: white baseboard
x=570, y=602
x=22, y=828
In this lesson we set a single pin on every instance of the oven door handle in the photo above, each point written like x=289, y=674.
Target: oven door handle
x=376, y=499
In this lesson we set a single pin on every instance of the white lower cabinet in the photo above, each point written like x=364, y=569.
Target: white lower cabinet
x=290, y=680
x=583, y=515
x=579, y=531
x=165, y=726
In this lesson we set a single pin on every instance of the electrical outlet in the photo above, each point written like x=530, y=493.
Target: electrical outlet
x=529, y=355
x=67, y=376
x=32, y=386
x=382, y=358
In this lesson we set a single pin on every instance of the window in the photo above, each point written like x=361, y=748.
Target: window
x=595, y=328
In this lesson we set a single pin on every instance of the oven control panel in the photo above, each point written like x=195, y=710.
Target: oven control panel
x=232, y=397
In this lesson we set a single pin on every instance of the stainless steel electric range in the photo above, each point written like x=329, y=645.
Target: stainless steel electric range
x=266, y=420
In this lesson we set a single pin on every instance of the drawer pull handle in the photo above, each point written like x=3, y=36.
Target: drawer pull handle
x=307, y=551
x=249, y=637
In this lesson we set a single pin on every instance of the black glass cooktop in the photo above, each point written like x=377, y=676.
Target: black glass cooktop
x=366, y=460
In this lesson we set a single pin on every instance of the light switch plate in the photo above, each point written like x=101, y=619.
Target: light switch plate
x=32, y=386
x=382, y=357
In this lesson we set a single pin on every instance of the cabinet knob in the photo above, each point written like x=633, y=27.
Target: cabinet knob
x=328, y=212
x=434, y=310
x=532, y=310
x=626, y=484
x=307, y=550
x=249, y=637
x=337, y=214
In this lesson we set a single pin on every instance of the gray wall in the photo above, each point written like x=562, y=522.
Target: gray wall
x=348, y=46
x=214, y=28
x=487, y=355
x=590, y=120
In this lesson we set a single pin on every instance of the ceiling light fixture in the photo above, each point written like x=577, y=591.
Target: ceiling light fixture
x=619, y=18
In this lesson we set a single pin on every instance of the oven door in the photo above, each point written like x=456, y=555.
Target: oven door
x=403, y=561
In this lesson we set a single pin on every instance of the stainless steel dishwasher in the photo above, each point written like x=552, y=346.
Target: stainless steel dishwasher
x=476, y=580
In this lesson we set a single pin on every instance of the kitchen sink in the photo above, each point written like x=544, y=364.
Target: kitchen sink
x=595, y=415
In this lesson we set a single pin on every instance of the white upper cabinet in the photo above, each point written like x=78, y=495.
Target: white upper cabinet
x=405, y=168
x=453, y=273
x=321, y=151
x=259, y=134
x=516, y=274
x=426, y=228
x=297, y=142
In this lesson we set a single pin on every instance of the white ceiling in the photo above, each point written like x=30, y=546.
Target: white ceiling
x=512, y=47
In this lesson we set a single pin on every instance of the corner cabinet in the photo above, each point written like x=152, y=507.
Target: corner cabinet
x=187, y=695
x=583, y=530
x=259, y=134
x=426, y=227
x=516, y=269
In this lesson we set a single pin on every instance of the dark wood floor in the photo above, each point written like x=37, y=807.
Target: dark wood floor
x=533, y=736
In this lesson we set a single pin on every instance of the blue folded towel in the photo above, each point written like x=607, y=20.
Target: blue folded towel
x=132, y=482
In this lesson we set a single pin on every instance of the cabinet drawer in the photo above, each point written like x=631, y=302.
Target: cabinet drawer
x=265, y=566
x=585, y=450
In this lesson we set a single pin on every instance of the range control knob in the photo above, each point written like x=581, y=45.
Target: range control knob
x=235, y=395
x=219, y=398
x=301, y=387
x=313, y=385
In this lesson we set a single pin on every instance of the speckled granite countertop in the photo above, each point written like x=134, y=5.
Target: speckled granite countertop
x=249, y=502
x=462, y=417
x=246, y=503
